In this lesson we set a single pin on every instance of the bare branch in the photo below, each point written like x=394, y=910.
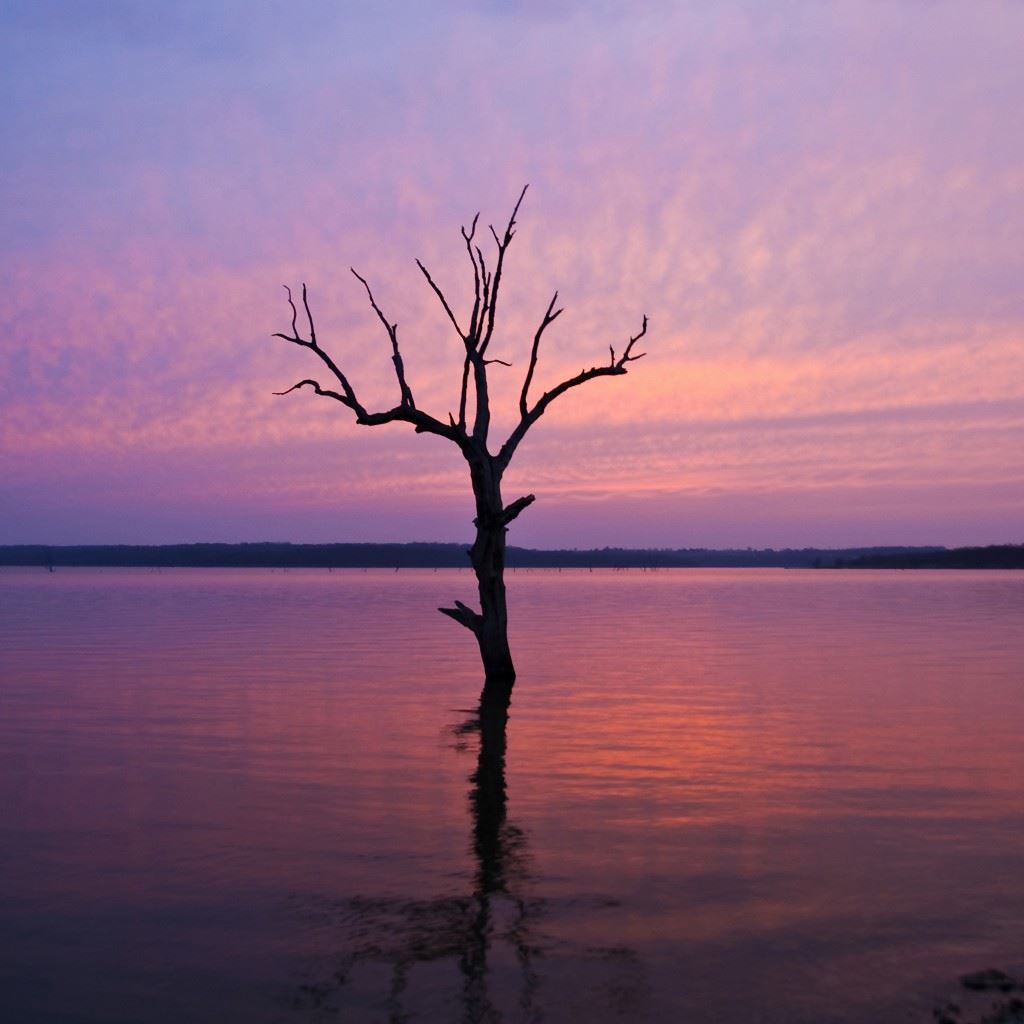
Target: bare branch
x=512, y=510
x=464, y=616
x=441, y=298
x=293, y=340
x=309, y=316
x=295, y=312
x=550, y=315
x=527, y=420
x=405, y=412
x=487, y=362
x=373, y=302
x=477, y=344
x=319, y=390
x=474, y=320
x=503, y=245
x=464, y=392
x=482, y=420
x=396, y=357
x=626, y=357
x=471, y=338
x=422, y=422
x=509, y=230
x=296, y=339
x=485, y=294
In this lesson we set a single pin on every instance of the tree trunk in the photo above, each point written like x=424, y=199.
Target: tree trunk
x=488, y=558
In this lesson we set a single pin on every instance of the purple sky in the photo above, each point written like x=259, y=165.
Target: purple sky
x=819, y=205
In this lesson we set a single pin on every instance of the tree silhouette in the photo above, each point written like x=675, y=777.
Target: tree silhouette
x=497, y=932
x=469, y=430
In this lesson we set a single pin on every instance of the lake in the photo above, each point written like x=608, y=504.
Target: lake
x=724, y=796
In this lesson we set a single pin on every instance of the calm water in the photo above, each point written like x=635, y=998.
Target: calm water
x=731, y=796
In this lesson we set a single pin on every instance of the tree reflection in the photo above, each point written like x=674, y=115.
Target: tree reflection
x=499, y=850
x=389, y=937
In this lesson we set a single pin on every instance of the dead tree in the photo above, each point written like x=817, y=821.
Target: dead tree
x=469, y=429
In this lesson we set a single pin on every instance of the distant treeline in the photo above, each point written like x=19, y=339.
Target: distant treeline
x=430, y=556
x=995, y=556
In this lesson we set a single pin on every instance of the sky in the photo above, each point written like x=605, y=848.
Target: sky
x=819, y=205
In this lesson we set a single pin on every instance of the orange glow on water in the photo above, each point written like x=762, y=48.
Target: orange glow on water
x=813, y=775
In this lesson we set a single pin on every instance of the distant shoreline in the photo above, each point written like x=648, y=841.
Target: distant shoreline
x=443, y=556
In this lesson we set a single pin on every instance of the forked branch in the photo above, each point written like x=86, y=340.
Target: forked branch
x=502, y=243
x=550, y=316
x=616, y=367
x=311, y=343
x=465, y=616
x=404, y=412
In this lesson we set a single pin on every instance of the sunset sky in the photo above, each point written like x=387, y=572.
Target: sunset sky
x=820, y=206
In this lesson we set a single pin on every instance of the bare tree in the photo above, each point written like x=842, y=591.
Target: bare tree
x=469, y=429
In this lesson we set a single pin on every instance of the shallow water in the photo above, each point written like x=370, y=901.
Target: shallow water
x=732, y=795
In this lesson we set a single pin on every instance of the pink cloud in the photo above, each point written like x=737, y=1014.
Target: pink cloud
x=821, y=213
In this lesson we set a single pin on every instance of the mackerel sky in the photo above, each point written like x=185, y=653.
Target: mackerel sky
x=820, y=206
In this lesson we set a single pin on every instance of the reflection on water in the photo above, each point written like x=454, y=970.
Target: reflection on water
x=500, y=919
x=720, y=796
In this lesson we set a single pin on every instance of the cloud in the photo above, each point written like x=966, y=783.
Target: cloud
x=818, y=206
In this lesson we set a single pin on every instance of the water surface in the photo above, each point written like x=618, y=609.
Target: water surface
x=728, y=795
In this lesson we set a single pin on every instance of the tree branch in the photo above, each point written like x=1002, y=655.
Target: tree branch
x=463, y=394
x=295, y=312
x=319, y=390
x=512, y=510
x=486, y=295
x=405, y=412
x=550, y=315
x=441, y=299
x=423, y=422
x=474, y=320
x=309, y=315
x=482, y=421
x=503, y=244
x=616, y=368
x=396, y=357
x=296, y=339
x=464, y=616
x=486, y=285
x=469, y=339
